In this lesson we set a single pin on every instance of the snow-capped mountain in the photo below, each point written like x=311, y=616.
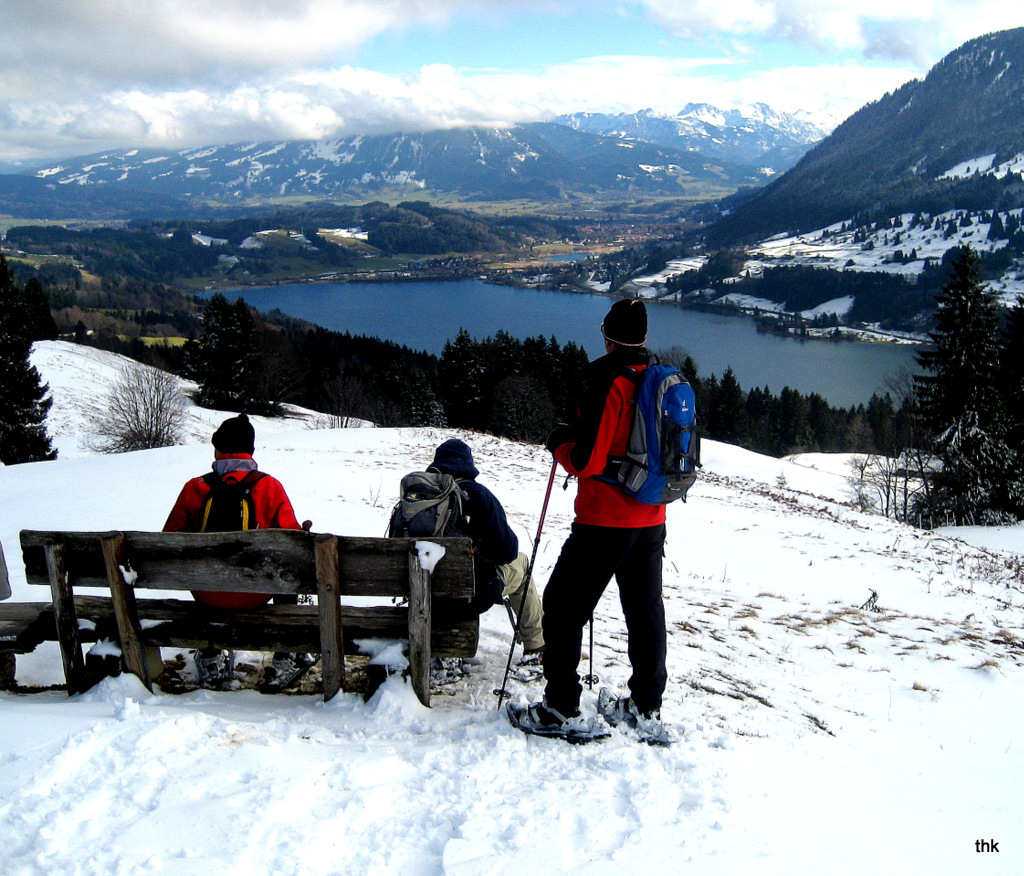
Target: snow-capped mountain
x=755, y=134
x=542, y=160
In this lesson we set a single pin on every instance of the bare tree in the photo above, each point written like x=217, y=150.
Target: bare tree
x=887, y=485
x=345, y=402
x=145, y=409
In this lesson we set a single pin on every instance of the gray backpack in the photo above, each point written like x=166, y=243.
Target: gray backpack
x=430, y=504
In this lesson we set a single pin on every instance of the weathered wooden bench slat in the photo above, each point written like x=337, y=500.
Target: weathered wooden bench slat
x=24, y=626
x=176, y=623
x=263, y=561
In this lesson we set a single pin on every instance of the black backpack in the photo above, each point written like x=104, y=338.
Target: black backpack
x=430, y=504
x=229, y=506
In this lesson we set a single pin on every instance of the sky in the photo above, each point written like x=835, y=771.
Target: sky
x=79, y=78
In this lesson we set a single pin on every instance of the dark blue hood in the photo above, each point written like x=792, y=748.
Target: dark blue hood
x=455, y=458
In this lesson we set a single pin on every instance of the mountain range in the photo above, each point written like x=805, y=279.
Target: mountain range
x=757, y=135
x=699, y=154
x=950, y=141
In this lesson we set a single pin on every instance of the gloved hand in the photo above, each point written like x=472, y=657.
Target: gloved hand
x=558, y=436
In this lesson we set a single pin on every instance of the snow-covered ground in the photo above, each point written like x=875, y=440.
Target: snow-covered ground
x=818, y=737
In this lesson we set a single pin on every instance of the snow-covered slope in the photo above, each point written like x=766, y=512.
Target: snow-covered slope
x=900, y=246
x=80, y=380
x=819, y=737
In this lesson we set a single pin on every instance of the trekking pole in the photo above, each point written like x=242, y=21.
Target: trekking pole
x=501, y=692
x=591, y=679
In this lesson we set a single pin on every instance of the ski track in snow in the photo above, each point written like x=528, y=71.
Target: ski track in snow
x=819, y=736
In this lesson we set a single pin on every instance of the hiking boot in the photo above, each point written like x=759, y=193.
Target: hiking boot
x=532, y=657
x=285, y=669
x=623, y=712
x=539, y=719
x=215, y=668
x=530, y=667
x=446, y=670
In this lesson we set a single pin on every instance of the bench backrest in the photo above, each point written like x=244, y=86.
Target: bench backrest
x=255, y=561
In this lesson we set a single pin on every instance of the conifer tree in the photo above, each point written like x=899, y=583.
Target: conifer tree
x=961, y=406
x=229, y=369
x=1011, y=374
x=732, y=425
x=461, y=369
x=23, y=401
x=40, y=322
x=794, y=429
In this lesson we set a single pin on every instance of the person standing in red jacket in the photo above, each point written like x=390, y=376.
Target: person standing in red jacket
x=234, y=443
x=613, y=535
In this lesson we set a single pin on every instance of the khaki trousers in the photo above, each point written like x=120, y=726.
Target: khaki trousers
x=514, y=575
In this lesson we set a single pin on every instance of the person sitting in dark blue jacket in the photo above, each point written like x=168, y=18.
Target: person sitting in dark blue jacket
x=501, y=571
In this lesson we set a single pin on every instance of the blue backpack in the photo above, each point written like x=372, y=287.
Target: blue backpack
x=661, y=463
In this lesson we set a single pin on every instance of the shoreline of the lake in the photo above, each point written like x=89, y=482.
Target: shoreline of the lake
x=426, y=315
x=851, y=334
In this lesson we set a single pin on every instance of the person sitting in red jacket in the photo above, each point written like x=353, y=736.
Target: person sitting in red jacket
x=234, y=444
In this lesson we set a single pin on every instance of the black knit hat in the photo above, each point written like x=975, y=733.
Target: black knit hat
x=454, y=457
x=235, y=435
x=626, y=323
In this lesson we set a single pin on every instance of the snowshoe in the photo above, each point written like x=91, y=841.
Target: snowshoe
x=215, y=668
x=446, y=670
x=622, y=712
x=540, y=720
x=286, y=669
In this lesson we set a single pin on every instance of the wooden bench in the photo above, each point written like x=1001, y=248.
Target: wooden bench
x=126, y=564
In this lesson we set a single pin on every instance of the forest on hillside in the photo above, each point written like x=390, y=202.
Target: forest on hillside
x=296, y=241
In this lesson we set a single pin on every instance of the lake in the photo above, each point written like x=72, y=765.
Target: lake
x=424, y=314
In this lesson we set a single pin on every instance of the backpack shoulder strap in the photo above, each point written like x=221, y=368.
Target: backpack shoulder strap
x=636, y=376
x=250, y=481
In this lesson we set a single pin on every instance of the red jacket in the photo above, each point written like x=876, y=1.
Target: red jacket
x=272, y=509
x=602, y=427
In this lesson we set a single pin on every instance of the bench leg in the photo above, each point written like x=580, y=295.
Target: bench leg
x=7, y=667
x=129, y=630
x=65, y=619
x=332, y=653
x=419, y=628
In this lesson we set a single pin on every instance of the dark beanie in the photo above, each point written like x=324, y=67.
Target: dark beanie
x=455, y=458
x=235, y=436
x=626, y=323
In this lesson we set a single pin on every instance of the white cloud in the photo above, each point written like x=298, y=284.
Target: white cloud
x=351, y=100
x=166, y=43
x=83, y=77
x=915, y=32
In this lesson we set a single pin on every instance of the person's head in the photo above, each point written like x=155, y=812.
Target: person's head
x=455, y=458
x=626, y=324
x=235, y=435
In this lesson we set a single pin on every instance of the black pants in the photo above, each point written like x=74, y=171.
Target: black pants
x=590, y=557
